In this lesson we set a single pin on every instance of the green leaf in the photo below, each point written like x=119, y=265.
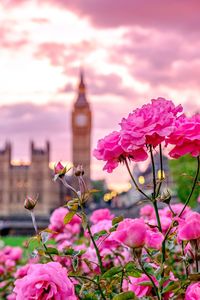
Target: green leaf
x=125, y=296
x=99, y=234
x=90, y=297
x=75, y=261
x=116, y=220
x=51, y=250
x=171, y=286
x=145, y=283
x=111, y=272
x=84, y=221
x=149, y=269
x=69, y=217
x=132, y=270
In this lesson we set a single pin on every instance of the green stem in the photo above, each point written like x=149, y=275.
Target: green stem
x=96, y=249
x=157, y=215
x=121, y=281
x=154, y=172
x=146, y=273
x=134, y=181
x=161, y=170
x=193, y=186
x=196, y=256
x=91, y=280
x=49, y=255
x=154, y=190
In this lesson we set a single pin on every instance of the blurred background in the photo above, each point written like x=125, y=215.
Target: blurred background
x=70, y=70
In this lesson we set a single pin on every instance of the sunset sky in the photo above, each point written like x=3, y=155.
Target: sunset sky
x=131, y=51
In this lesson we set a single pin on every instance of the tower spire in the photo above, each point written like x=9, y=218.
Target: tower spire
x=81, y=88
x=81, y=99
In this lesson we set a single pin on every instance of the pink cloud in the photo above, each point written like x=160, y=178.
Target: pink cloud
x=9, y=39
x=154, y=13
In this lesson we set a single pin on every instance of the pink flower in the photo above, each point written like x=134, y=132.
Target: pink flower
x=10, y=253
x=21, y=272
x=193, y=291
x=154, y=239
x=189, y=229
x=149, y=124
x=131, y=232
x=57, y=222
x=45, y=281
x=59, y=168
x=147, y=211
x=101, y=214
x=139, y=290
x=177, y=208
x=185, y=137
x=110, y=150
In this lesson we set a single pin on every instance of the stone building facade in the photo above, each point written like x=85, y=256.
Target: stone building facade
x=35, y=179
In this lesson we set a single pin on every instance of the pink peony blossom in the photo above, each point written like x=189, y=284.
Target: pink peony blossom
x=193, y=291
x=101, y=214
x=150, y=124
x=45, y=281
x=131, y=232
x=185, y=137
x=189, y=229
x=110, y=150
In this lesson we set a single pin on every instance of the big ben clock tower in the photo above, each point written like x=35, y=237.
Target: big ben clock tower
x=81, y=130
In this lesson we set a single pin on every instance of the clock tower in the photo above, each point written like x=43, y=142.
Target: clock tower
x=81, y=130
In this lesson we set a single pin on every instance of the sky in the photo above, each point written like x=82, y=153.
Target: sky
x=131, y=51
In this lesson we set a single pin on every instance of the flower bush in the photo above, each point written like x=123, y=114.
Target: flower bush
x=102, y=256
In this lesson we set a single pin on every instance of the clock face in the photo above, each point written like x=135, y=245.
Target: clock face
x=81, y=120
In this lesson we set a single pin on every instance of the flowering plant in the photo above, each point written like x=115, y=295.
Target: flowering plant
x=154, y=256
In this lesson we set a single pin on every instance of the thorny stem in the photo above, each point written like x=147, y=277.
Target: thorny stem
x=135, y=183
x=193, y=186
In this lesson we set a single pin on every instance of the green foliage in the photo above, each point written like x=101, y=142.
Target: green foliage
x=125, y=296
x=183, y=172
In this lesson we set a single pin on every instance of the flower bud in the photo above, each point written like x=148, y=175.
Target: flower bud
x=30, y=203
x=59, y=170
x=79, y=171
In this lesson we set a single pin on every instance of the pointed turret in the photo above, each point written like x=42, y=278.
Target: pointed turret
x=81, y=100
